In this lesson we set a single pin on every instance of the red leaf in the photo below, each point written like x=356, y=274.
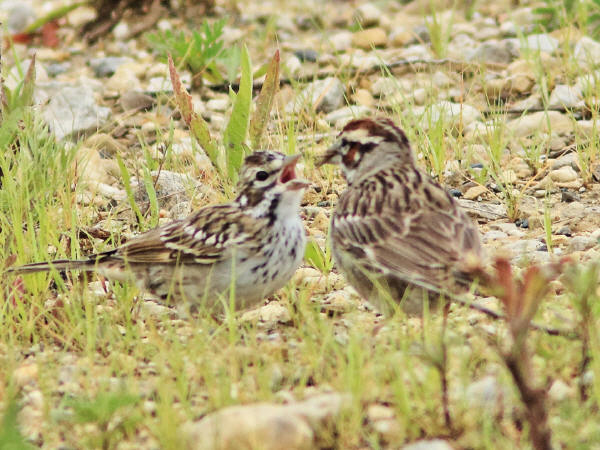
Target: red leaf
x=49, y=36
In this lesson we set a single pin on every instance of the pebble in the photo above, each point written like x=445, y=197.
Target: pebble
x=272, y=313
x=306, y=55
x=105, y=67
x=492, y=51
x=341, y=40
x=542, y=43
x=454, y=114
x=581, y=243
x=560, y=391
x=568, y=196
x=26, y=373
x=371, y=37
x=20, y=15
x=509, y=228
x=136, y=100
x=367, y=15
x=566, y=96
x=493, y=235
x=485, y=394
x=268, y=426
x=564, y=231
x=323, y=95
x=537, y=122
x=587, y=52
x=564, y=174
x=346, y=113
x=363, y=98
x=432, y=444
x=474, y=192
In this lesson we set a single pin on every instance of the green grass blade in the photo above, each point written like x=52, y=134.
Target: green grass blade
x=52, y=15
x=128, y=190
x=237, y=127
x=264, y=102
x=197, y=124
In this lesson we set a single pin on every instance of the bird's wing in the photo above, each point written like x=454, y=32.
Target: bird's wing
x=210, y=235
x=404, y=224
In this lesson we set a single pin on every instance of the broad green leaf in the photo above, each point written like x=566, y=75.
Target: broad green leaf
x=316, y=257
x=197, y=124
x=237, y=127
x=264, y=102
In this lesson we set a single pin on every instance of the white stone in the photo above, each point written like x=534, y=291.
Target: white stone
x=341, y=41
x=367, y=15
x=432, y=444
x=566, y=96
x=537, y=122
x=564, y=174
x=267, y=426
x=542, y=43
x=452, y=113
x=346, y=113
x=587, y=51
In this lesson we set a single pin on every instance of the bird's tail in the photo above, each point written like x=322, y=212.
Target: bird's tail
x=59, y=264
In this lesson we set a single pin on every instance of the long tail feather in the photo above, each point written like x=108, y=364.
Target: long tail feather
x=59, y=264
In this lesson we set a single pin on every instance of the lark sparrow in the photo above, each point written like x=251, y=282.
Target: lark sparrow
x=254, y=243
x=394, y=227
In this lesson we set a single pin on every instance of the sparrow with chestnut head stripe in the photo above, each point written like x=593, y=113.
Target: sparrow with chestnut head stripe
x=396, y=233
x=254, y=243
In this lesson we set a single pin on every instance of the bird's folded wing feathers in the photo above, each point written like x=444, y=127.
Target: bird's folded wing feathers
x=206, y=237
x=413, y=242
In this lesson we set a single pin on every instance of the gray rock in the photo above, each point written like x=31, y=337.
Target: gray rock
x=493, y=51
x=323, y=95
x=20, y=15
x=581, y=243
x=524, y=246
x=306, y=54
x=72, y=109
x=485, y=393
x=432, y=444
x=569, y=159
x=131, y=100
x=54, y=69
x=268, y=426
x=105, y=67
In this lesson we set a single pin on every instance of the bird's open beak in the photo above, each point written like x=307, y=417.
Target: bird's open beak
x=288, y=174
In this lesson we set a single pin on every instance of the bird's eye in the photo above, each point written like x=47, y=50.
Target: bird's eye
x=262, y=175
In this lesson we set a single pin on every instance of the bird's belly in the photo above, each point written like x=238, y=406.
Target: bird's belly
x=253, y=276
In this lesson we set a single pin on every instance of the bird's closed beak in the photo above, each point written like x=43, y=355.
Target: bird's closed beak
x=329, y=157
